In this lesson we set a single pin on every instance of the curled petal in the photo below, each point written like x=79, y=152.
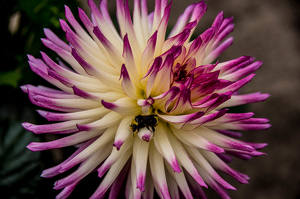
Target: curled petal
x=183, y=103
x=123, y=132
x=145, y=134
x=123, y=106
x=128, y=87
x=164, y=100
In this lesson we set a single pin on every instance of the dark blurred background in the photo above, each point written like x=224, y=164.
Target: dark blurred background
x=268, y=30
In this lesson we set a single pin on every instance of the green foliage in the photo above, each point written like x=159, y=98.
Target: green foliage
x=10, y=78
x=34, y=16
x=19, y=168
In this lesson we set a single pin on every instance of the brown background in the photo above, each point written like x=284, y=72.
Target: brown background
x=269, y=31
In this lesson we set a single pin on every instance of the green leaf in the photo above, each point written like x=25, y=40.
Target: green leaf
x=19, y=167
x=10, y=78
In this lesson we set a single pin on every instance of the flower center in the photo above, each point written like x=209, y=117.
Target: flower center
x=181, y=75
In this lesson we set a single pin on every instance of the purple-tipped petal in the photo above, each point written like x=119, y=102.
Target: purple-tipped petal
x=106, y=79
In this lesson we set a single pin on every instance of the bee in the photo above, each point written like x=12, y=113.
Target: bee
x=140, y=121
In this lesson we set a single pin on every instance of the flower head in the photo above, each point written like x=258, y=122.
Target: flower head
x=144, y=108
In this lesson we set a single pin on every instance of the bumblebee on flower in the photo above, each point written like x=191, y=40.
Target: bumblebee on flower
x=168, y=92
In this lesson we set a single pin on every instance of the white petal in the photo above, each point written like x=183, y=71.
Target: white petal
x=164, y=147
x=199, y=159
x=158, y=171
x=114, y=156
x=101, y=142
x=123, y=131
x=181, y=182
x=140, y=158
x=193, y=139
x=111, y=176
x=137, y=194
x=184, y=160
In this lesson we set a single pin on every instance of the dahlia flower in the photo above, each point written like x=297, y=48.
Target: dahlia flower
x=145, y=109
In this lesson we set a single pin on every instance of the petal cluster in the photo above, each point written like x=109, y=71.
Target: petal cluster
x=147, y=110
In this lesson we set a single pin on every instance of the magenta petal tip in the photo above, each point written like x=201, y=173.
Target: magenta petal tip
x=83, y=127
x=215, y=149
x=42, y=113
x=43, y=175
x=24, y=88
x=62, y=169
x=27, y=125
x=257, y=153
x=118, y=144
x=266, y=126
x=175, y=166
x=47, y=174
x=33, y=146
x=108, y=105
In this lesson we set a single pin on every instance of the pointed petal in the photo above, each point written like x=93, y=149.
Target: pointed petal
x=184, y=160
x=123, y=106
x=158, y=171
x=149, y=186
x=128, y=87
x=212, y=183
x=53, y=171
x=85, y=168
x=180, y=118
x=217, y=163
x=117, y=185
x=123, y=132
x=200, y=160
x=111, y=176
x=115, y=156
x=102, y=143
x=137, y=194
x=181, y=182
x=63, y=142
x=140, y=158
x=237, y=100
x=108, y=120
x=164, y=147
x=173, y=188
x=195, y=140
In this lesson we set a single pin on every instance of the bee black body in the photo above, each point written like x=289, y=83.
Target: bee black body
x=140, y=121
